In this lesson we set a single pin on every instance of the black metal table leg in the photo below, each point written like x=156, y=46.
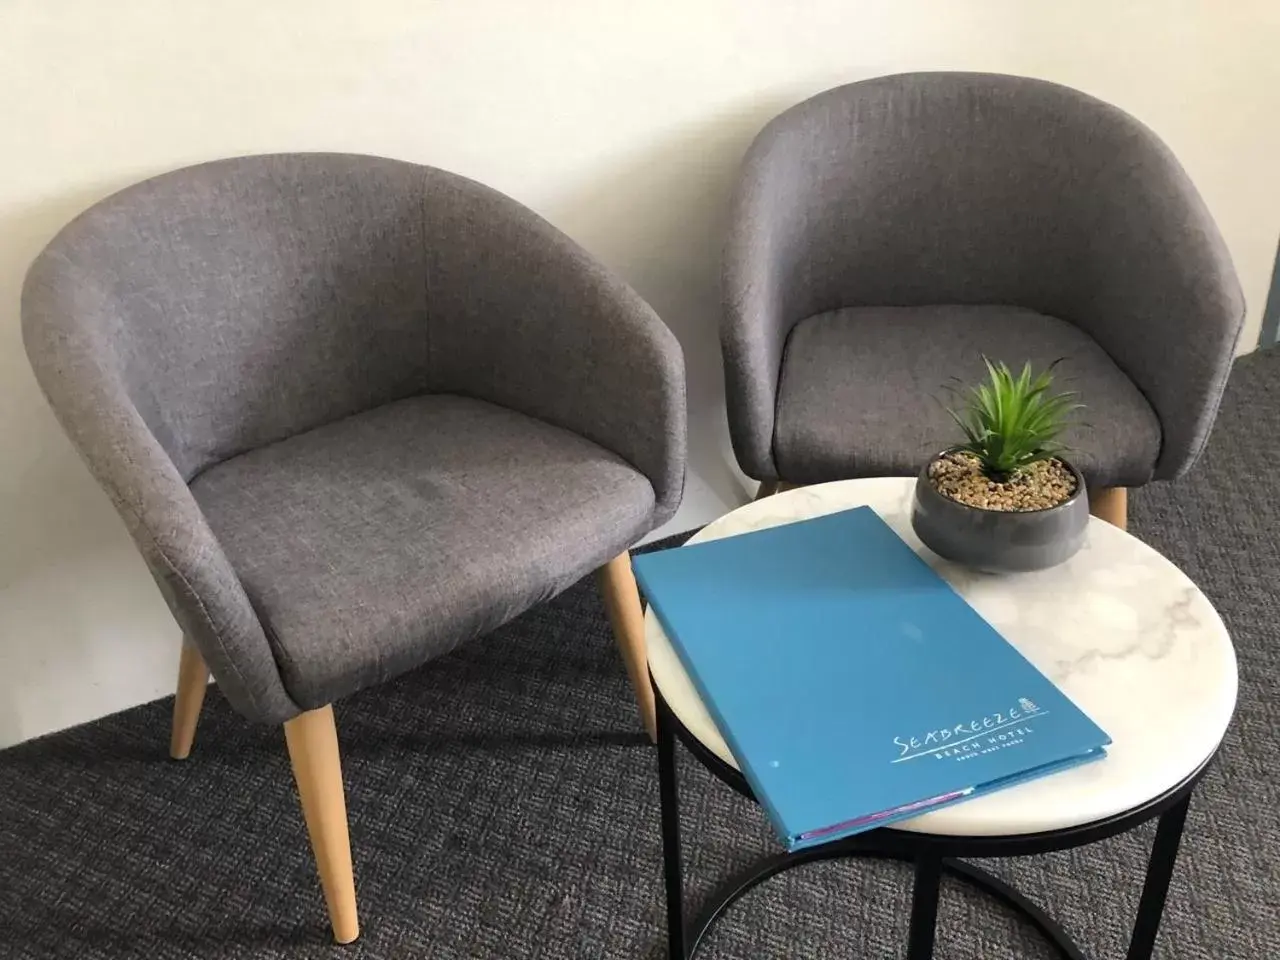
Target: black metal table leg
x=931, y=855
x=1164, y=854
x=670, y=802
x=924, y=906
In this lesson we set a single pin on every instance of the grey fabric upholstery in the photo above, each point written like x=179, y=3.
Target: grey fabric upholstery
x=372, y=543
x=862, y=390
x=971, y=189
x=224, y=308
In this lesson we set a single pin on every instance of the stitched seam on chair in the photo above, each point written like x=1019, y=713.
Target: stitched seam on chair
x=432, y=380
x=278, y=651
x=217, y=635
x=777, y=395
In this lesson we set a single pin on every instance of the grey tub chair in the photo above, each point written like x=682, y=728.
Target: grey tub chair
x=887, y=234
x=354, y=411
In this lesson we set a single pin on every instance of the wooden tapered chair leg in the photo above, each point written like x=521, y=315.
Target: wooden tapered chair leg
x=767, y=488
x=1110, y=504
x=312, y=739
x=193, y=681
x=622, y=602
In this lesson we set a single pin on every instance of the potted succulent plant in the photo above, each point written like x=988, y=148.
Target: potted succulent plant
x=1005, y=499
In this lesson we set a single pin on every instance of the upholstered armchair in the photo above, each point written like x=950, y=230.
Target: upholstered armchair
x=354, y=412
x=886, y=235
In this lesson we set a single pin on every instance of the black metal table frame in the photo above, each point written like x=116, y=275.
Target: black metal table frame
x=932, y=856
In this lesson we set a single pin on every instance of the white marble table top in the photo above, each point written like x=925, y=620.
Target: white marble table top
x=1118, y=627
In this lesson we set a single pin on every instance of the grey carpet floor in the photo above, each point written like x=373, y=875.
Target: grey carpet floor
x=501, y=805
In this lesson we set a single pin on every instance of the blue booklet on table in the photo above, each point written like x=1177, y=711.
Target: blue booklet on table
x=854, y=686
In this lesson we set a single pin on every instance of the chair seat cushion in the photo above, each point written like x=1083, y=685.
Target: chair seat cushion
x=377, y=542
x=863, y=390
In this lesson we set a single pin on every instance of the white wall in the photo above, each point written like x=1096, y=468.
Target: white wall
x=620, y=121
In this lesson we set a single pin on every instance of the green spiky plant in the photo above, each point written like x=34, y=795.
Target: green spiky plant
x=1011, y=421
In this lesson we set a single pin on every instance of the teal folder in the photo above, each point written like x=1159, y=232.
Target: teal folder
x=854, y=686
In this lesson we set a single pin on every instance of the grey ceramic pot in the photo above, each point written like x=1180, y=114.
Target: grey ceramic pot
x=995, y=540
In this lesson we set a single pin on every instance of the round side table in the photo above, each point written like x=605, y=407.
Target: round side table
x=1117, y=627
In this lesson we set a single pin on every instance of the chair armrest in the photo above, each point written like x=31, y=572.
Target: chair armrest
x=758, y=308
x=81, y=377
x=527, y=319
x=1155, y=286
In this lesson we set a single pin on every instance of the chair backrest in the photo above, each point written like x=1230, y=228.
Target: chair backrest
x=241, y=301
x=947, y=188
